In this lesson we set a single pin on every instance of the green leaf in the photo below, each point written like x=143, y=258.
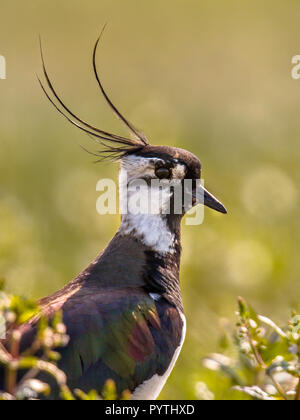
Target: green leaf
x=23, y=308
x=243, y=308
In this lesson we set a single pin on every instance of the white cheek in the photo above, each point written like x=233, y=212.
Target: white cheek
x=142, y=215
x=143, y=209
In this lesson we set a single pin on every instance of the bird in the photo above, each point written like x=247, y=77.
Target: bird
x=124, y=313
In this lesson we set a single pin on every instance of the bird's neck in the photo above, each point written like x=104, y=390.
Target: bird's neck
x=161, y=256
x=156, y=232
x=162, y=273
x=130, y=262
x=146, y=250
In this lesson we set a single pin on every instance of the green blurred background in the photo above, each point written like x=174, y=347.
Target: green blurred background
x=210, y=76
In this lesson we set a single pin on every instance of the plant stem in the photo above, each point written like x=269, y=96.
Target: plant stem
x=11, y=370
x=263, y=366
x=297, y=396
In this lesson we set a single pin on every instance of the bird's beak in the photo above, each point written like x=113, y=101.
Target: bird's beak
x=202, y=196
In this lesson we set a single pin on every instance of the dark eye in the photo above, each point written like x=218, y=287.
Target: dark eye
x=162, y=173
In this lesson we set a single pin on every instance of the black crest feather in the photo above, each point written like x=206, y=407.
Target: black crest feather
x=113, y=146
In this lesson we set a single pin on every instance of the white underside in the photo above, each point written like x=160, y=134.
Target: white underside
x=150, y=389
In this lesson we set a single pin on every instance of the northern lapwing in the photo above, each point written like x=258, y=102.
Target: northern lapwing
x=124, y=313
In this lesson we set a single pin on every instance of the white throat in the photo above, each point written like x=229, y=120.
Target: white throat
x=143, y=208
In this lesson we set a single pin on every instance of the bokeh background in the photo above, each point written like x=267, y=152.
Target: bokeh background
x=210, y=76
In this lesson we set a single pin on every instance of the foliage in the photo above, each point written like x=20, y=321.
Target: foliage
x=267, y=366
x=40, y=357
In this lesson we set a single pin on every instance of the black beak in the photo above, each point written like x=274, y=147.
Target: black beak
x=202, y=196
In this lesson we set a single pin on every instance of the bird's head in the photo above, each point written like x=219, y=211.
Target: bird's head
x=174, y=171
x=164, y=181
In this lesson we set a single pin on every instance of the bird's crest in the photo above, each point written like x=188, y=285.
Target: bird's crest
x=113, y=146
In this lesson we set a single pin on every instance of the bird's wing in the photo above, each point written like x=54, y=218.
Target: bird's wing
x=121, y=335
x=118, y=334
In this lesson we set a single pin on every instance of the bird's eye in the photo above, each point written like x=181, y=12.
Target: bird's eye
x=162, y=173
